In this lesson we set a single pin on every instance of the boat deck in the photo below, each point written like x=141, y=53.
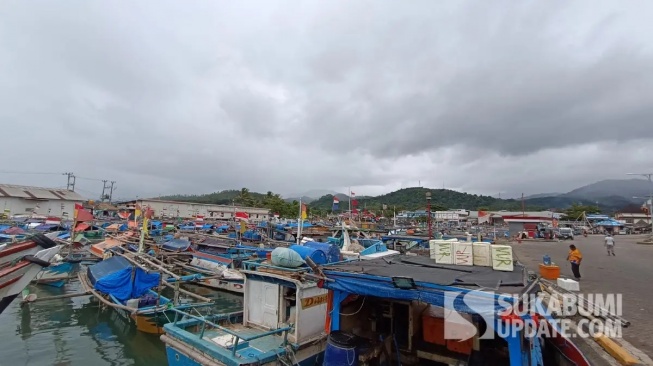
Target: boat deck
x=251, y=349
x=219, y=341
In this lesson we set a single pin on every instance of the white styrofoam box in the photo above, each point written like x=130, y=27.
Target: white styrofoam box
x=568, y=284
x=432, y=248
x=481, y=254
x=501, y=257
x=444, y=253
x=463, y=254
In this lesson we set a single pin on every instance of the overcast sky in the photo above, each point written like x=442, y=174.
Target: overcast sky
x=197, y=96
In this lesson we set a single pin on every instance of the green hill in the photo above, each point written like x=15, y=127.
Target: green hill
x=415, y=198
x=403, y=199
x=226, y=197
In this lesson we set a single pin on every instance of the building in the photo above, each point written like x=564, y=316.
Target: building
x=189, y=210
x=24, y=200
x=632, y=218
x=499, y=217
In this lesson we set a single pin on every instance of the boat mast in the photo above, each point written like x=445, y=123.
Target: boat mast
x=300, y=223
x=141, y=240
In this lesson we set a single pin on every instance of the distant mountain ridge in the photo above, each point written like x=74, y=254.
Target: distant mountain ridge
x=610, y=195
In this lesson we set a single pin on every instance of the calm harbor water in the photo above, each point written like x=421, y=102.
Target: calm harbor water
x=74, y=331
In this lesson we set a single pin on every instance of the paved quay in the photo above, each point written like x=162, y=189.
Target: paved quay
x=630, y=273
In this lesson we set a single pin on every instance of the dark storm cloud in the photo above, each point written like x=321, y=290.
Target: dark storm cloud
x=516, y=82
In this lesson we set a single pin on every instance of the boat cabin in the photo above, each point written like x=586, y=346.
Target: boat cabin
x=409, y=308
x=276, y=297
x=282, y=320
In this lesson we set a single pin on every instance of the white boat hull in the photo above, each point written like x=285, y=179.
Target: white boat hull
x=15, y=278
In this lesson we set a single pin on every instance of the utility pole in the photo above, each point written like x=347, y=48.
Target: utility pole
x=111, y=191
x=70, y=186
x=428, y=212
x=650, y=195
x=104, y=189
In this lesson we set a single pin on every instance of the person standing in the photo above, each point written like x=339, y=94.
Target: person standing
x=609, y=244
x=575, y=257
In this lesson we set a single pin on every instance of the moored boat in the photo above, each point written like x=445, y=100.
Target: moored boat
x=411, y=310
x=20, y=263
x=282, y=323
x=128, y=287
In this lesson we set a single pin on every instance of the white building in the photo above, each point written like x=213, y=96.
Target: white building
x=24, y=200
x=188, y=210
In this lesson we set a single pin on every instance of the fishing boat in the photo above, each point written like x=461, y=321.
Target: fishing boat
x=20, y=263
x=282, y=323
x=219, y=272
x=125, y=283
x=353, y=249
x=56, y=274
x=411, y=311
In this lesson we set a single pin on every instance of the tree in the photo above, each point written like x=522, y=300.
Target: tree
x=576, y=210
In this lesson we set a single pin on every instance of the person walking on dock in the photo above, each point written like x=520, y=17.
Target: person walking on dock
x=575, y=257
x=609, y=244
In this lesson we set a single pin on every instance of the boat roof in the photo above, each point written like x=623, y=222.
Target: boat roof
x=404, y=237
x=423, y=270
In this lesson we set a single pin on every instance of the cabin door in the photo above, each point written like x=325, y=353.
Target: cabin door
x=270, y=305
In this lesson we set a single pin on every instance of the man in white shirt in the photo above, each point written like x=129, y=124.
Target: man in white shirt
x=609, y=244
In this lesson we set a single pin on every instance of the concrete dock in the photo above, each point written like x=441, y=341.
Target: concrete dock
x=630, y=273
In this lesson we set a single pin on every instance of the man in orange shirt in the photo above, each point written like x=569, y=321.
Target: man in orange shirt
x=575, y=257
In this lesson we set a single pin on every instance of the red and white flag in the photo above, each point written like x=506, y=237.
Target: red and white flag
x=242, y=216
x=81, y=214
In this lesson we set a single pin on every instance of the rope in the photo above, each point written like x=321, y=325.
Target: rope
x=357, y=311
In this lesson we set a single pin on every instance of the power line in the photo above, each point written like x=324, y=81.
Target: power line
x=93, y=179
x=31, y=173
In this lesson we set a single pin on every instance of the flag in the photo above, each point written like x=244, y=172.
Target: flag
x=336, y=201
x=243, y=226
x=149, y=213
x=304, y=211
x=137, y=211
x=81, y=214
x=242, y=216
x=146, y=221
x=354, y=202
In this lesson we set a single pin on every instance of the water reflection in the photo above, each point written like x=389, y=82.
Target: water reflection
x=76, y=331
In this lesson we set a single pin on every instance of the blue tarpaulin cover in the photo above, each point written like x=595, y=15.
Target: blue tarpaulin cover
x=143, y=282
x=114, y=276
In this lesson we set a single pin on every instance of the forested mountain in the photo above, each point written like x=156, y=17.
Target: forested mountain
x=415, y=198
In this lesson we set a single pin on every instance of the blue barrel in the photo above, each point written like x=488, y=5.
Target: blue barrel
x=332, y=252
x=546, y=260
x=316, y=255
x=341, y=349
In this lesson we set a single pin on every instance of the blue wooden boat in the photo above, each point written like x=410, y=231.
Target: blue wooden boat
x=55, y=275
x=387, y=311
x=282, y=323
x=129, y=290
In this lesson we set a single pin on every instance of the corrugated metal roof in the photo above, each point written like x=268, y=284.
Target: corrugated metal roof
x=27, y=192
